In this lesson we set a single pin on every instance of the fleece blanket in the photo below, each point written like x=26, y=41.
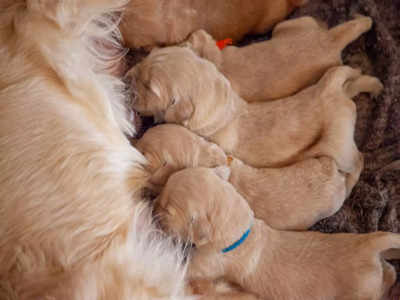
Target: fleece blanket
x=375, y=201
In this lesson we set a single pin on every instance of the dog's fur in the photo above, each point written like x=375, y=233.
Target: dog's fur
x=177, y=86
x=293, y=197
x=170, y=148
x=148, y=23
x=274, y=264
x=298, y=54
x=71, y=223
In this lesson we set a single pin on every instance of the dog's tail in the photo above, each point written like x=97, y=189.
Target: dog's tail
x=346, y=33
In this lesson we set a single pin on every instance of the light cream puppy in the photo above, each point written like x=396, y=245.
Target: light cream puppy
x=177, y=86
x=169, y=148
x=148, y=23
x=298, y=54
x=293, y=197
x=273, y=264
x=71, y=223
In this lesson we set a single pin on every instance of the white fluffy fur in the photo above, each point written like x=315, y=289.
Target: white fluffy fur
x=70, y=221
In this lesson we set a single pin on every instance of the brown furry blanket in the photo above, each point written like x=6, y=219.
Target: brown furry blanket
x=375, y=201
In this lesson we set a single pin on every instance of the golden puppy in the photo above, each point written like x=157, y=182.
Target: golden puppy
x=293, y=197
x=284, y=265
x=298, y=54
x=177, y=86
x=148, y=23
x=169, y=148
x=71, y=225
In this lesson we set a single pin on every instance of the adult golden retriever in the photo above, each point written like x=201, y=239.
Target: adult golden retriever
x=72, y=225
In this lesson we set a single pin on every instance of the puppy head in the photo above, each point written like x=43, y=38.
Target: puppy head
x=170, y=148
x=177, y=86
x=202, y=206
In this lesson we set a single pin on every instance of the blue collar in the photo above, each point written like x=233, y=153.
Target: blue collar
x=238, y=242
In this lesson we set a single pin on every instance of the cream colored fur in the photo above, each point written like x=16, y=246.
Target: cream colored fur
x=177, y=86
x=148, y=23
x=292, y=197
x=273, y=264
x=169, y=148
x=298, y=54
x=71, y=222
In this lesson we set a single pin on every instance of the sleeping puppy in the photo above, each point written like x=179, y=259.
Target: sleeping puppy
x=148, y=23
x=177, y=86
x=72, y=221
x=298, y=54
x=169, y=148
x=293, y=197
x=232, y=244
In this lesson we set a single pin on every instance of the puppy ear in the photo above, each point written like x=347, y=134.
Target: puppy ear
x=202, y=232
x=223, y=172
x=178, y=112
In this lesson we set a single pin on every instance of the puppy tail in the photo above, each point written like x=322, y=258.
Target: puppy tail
x=346, y=33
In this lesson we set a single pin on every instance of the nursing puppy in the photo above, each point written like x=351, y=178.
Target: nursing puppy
x=148, y=23
x=232, y=244
x=72, y=225
x=298, y=54
x=293, y=197
x=169, y=148
x=177, y=86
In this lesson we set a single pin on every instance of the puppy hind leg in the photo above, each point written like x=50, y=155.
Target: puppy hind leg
x=366, y=84
x=335, y=78
x=352, y=177
x=348, y=32
x=388, y=278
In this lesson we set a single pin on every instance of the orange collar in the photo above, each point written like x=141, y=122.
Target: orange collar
x=223, y=43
